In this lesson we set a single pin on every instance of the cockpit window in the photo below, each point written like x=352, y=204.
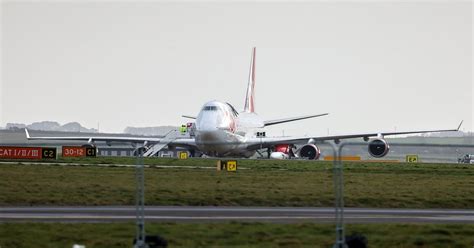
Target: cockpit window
x=210, y=108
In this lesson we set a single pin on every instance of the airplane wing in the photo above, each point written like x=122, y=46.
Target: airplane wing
x=189, y=117
x=175, y=142
x=265, y=142
x=279, y=121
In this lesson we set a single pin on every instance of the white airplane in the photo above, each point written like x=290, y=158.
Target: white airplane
x=221, y=131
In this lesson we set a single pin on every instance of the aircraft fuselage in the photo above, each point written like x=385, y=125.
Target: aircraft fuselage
x=221, y=131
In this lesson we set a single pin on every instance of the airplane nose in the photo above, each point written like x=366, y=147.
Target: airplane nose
x=210, y=121
x=208, y=127
x=206, y=123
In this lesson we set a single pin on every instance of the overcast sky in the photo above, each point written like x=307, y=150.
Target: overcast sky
x=372, y=66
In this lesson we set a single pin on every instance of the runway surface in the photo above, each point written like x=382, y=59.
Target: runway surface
x=219, y=214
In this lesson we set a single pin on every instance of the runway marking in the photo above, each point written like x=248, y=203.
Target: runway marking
x=242, y=209
x=170, y=217
x=279, y=214
x=110, y=165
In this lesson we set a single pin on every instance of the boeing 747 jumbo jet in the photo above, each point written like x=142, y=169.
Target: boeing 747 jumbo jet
x=221, y=131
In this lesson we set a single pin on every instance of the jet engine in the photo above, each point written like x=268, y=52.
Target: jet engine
x=309, y=151
x=282, y=151
x=378, y=148
x=279, y=155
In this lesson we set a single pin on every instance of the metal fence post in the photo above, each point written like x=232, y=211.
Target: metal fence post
x=339, y=194
x=140, y=200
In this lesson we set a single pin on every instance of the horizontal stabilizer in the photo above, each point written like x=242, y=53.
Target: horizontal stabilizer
x=279, y=121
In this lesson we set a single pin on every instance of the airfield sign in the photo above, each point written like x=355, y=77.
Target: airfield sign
x=78, y=151
x=17, y=152
x=183, y=155
x=412, y=158
x=231, y=165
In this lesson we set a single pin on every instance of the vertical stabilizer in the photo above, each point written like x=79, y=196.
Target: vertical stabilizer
x=250, y=98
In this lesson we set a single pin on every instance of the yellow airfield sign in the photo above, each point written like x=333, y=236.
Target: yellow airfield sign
x=183, y=155
x=412, y=158
x=231, y=165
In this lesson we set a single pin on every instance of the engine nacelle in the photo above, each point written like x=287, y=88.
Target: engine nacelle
x=378, y=148
x=309, y=151
x=282, y=151
x=279, y=155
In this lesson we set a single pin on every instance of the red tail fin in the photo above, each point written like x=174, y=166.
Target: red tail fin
x=250, y=98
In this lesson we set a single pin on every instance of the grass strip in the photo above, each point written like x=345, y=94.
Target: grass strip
x=264, y=183
x=233, y=234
